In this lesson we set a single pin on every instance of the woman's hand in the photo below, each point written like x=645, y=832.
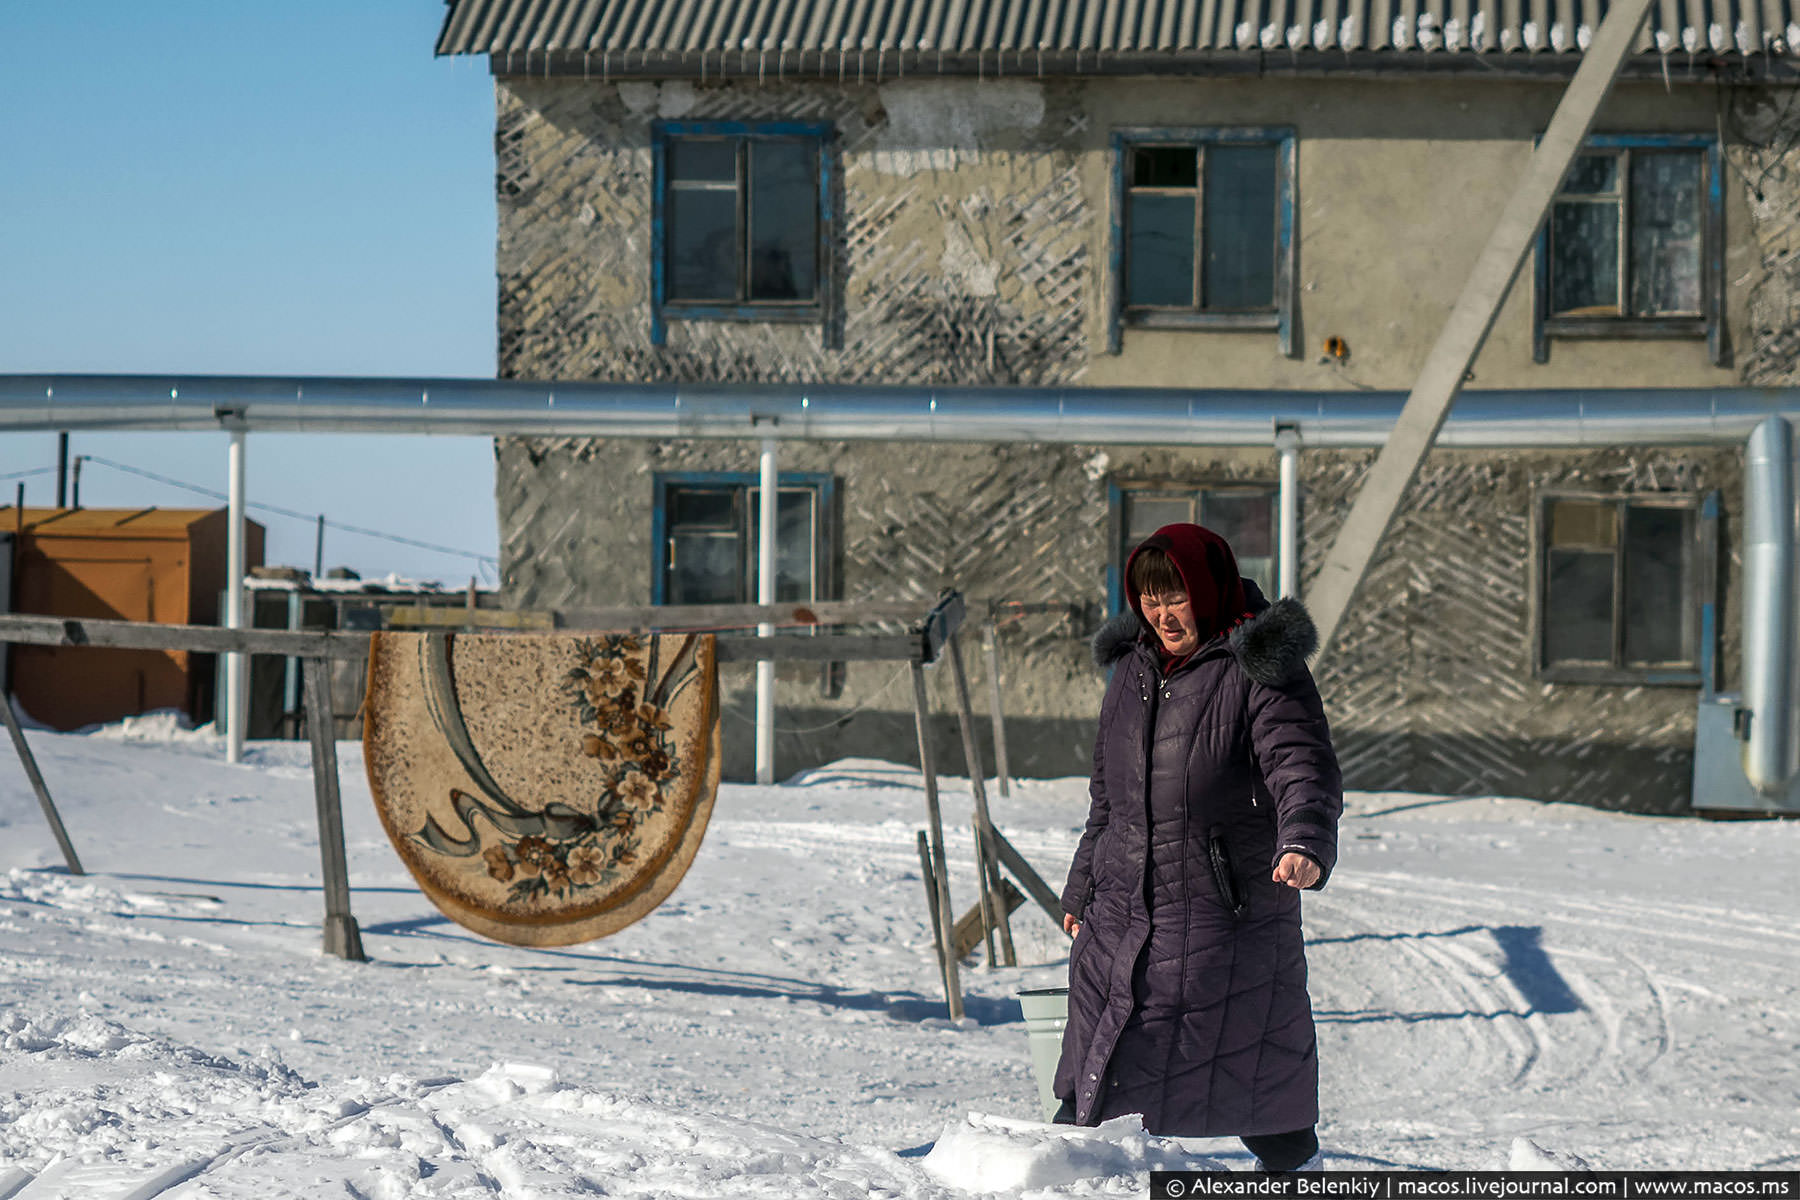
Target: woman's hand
x=1071, y=926
x=1295, y=870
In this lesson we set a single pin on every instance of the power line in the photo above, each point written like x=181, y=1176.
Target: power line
x=26, y=474
x=309, y=518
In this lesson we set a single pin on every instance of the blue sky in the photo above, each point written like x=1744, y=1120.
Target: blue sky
x=248, y=187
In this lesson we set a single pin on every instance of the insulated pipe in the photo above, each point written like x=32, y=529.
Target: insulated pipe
x=236, y=665
x=1769, y=591
x=1118, y=416
x=1287, y=549
x=765, y=594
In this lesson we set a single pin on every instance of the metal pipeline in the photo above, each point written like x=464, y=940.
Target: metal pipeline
x=1121, y=416
x=1771, y=748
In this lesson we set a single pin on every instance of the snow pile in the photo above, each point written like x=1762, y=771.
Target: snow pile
x=1002, y=1154
x=1495, y=982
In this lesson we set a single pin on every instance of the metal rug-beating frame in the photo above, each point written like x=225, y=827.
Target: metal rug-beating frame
x=543, y=789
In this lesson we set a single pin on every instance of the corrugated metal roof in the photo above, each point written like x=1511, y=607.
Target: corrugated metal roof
x=798, y=33
x=156, y=523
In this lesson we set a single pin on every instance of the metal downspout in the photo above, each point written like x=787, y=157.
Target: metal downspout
x=1770, y=527
x=1287, y=552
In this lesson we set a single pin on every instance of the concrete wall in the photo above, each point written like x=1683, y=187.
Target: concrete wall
x=976, y=222
x=1431, y=691
x=973, y=249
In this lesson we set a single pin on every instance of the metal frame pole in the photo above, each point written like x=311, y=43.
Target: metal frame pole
x=237, y=666
x=765, y=594
x=29, y=762
x=946, y=916
x=1466, y=329
x=342, y=937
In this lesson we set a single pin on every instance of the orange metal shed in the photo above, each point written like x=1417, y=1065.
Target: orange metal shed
x=150, y=564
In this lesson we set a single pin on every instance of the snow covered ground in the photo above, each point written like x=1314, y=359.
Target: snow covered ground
x=1621, y=989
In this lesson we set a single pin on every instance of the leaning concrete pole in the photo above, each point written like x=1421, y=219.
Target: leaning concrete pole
x=1467, y=328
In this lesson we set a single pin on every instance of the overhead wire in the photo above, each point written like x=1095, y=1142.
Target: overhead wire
x=310, y=518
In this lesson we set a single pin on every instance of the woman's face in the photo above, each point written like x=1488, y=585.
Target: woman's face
x=1171, y=614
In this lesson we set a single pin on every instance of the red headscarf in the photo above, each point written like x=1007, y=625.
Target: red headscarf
x=1209, y=569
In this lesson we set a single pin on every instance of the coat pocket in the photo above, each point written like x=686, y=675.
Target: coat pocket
x=1223, y=879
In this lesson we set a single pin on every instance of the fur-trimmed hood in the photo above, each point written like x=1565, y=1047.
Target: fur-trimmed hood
x=1271, y=646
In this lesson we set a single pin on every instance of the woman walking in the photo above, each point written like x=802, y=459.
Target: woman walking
x=1216, y=797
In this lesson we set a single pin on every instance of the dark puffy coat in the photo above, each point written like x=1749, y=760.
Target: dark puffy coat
x=1187, y=982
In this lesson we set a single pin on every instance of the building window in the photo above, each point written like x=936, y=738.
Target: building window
x=1203, y=234
x=1630, y=249
x=1624, y=585
x=706, y=534
x=1243, y=514
x=742, y=223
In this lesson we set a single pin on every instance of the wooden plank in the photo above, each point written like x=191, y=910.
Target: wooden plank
x=990, y=642
x=945, y=934
x=828, y=648
x=671, y=618
x=342, y=937
x=1466, y=329
x=29, y=761
x=929, y=875
x=984, y=826
x=203, y=639
x=968, y=929
x=1034, y=883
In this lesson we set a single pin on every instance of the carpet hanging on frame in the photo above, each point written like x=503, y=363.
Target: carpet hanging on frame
x=543, y=789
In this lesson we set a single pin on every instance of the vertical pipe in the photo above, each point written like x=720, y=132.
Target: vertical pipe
x=236, y=693
x=75, y=483
x=62, y=470
x=319, y=550
x=1287, y=552
x=765, y=594
x=1769, y=565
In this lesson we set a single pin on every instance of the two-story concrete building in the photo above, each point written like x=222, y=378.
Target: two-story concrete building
x=1244, y=198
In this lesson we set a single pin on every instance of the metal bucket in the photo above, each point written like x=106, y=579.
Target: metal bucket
x=1046, y=1012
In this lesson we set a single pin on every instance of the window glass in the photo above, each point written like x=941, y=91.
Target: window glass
x=1243, y=517
x=1159, y=268
x=1622, y=584
x=711, y=160
x=1239, y=227
x=1665, y=233
x=741, y=221
x=1593, y=173
x=705, y=568
x=795, y=539
x=711, y=550
x=701, y=236
x=1584, y=523
x=1658, y=565
x=784, y=220
x=1584, y=248
x=1165, y=167
x=712, y=507
x=1578, y=620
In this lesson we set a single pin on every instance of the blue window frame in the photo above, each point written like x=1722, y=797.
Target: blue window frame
x=741, y=227
x=1633, y=244
x=1243, y=512
x=1203, y=231
x=704, y=533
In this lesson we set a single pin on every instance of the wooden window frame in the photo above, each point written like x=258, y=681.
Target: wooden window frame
x=823, y=487
x=821, y=309
x=1690, y=672
x=1709, y=322
x=1279, y=317
x=1117, y=493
